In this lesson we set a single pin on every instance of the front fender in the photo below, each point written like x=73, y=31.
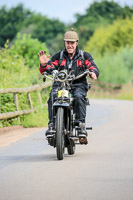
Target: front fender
x=57, y=104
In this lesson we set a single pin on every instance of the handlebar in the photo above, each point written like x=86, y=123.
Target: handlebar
x=46, y=76
x=55, y=72
x=81, y=75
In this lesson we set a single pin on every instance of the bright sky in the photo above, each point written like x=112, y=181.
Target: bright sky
x=59, y=9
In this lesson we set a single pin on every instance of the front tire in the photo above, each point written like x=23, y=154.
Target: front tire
x=60, y=138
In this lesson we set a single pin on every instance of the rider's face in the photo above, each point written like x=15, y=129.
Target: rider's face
x=71, y=46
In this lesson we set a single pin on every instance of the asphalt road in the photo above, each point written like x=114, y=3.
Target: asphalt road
x=101, y=170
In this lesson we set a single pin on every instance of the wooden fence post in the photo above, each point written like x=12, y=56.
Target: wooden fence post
x=39, y=96
x=30, y=101
x=15, y=95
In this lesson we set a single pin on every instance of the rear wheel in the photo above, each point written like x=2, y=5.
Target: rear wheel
x=60, y=138
x=71, y=149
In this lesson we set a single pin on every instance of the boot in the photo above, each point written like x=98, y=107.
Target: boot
x=82, y=132
x=49, y=132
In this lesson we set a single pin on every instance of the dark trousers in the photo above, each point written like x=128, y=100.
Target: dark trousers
x=79, y=95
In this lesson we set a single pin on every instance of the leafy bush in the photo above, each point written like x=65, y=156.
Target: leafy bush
x=12, y=67
x=111, y=38
x=28, y=48
x=15, y=73
x=127, y=58
x=112, y=68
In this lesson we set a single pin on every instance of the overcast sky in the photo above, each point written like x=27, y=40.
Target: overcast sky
x=59, y=9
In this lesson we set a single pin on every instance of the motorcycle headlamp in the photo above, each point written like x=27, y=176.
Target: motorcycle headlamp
x=61, y=76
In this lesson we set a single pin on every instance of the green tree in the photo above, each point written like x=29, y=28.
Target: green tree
x=111, y=38
x=48, y=31
x=97, y=14
x=11, y=21
x=19, y=19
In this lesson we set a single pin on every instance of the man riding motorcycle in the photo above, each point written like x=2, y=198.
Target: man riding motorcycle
x=69, y=59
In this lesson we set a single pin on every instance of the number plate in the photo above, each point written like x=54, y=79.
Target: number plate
x=62, y=93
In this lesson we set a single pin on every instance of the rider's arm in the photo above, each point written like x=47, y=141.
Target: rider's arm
x=52, y=64
x=90, y=64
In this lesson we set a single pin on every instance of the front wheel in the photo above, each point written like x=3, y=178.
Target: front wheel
x=60, y=138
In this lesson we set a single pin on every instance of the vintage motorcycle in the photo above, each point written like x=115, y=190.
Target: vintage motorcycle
x=65, y=132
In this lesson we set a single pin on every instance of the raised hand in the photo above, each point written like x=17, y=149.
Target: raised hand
x=43, y=58
x=93, y=76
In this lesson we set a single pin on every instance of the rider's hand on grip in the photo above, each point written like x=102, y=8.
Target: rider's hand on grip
x=93, y=76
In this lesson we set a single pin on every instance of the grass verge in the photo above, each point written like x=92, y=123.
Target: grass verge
x=38, y=119
x=126, y=93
